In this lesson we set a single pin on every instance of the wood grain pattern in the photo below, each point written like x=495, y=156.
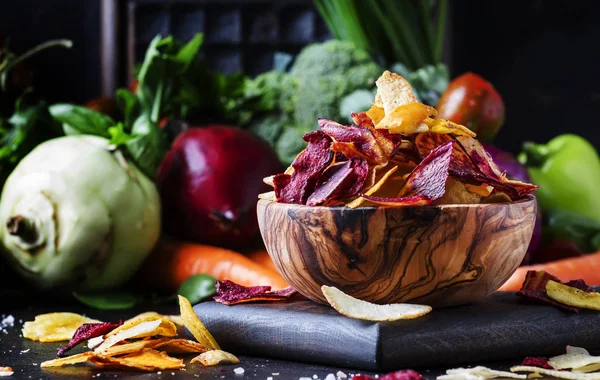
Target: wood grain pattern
x=437, y=255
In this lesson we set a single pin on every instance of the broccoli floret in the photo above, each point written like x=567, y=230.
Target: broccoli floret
x=325, y=74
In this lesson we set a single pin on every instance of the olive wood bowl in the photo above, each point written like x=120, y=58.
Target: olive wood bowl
x=437, y=255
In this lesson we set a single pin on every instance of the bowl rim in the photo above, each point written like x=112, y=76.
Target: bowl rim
x=526, y=199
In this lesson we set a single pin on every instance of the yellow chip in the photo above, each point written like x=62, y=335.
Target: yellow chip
x=126, y=348
x=571, y=296
x=140, y=330
x=483, y=190
x=444, y=126
x=179, y=346
x=195, y=326
x=215, y=357
x=393, y=91
x=407, y=119
x=145, y=360
x=54, y=327
x=376, y=114
x=166, y=327
x=457, y=194
x=73, y=359
x=359, y=201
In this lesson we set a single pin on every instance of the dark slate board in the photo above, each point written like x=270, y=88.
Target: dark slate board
x=501, y=327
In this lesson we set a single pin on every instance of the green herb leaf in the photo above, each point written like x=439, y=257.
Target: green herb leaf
x=198, y=287
x=79, y=120
x=147, y=145
x=128, y=103
x=107, y=301
x=118, y=136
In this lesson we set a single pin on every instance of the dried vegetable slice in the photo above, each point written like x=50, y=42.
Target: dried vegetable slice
x=479, y=373
x=340, y=181
x=54, y=327
x=353, y=141
x=215, y=357
x=230, y=293
x=73, y=359
x=534, y=287
x=145, y=360
x=147, y=328
x=572, y=296
x=556, y=373
x=88, y=331
x=195, y=326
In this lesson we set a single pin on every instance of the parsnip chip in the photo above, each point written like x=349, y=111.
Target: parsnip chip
x=73, y=359
x=6, y=371
x=359, y=201
x=588, y=368
x=407, y=119
x=195, y=326
x=165, y=328
x=180, y=346
x=175, y=319
x=477, y=373
x=54, y=327
x=574, y=358
x=376, y=114
x=393, y=91
x=358, y=309
x=137, y=331
x=126, y=348
x=557, y=373
x=572, y=296
x=95, y=342
x=215, y=357
x=145, y=360
x=269, y=195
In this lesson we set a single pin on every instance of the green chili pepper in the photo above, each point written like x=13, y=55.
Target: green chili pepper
x=567, y=170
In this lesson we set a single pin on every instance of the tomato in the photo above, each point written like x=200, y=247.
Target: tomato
x=473, y=102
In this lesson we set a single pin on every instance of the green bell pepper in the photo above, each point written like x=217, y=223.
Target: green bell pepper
x=567, y=170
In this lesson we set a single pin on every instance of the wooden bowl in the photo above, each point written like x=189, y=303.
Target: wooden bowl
x=437, y=255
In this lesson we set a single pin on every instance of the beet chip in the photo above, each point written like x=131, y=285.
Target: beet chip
x=536, y=362
x=308, y=167
x=340, y=181
x=88, y=331
x=230, y=293
x=534, y=287
x=353, y=141
x=407, y=374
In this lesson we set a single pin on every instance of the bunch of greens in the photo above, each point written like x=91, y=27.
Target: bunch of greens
x=406, y=31
x=24, y=120
x=173, y=84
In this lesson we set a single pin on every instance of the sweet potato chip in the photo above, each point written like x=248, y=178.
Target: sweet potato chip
x=308, y=167
x=556, y=373
x=340, y=181
x=215, y=357
x=145, y=360
x=479, y=373
x=126, y=348
x=393, y=91
x=569, y=295
x=178, y=346
x=446, y=126
x=230, y=293
x=54, y=327
x=358, y=309
x=73, y=359
x=407, y=119
x=375, y=114
x=195, y=326
x=88, y=331
x=373, y=189
x=142, y=329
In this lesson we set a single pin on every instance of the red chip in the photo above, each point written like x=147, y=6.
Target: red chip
x=230, y=293
x=536, y=362
x=88, y=331
x=353, y=141
x=340, y=181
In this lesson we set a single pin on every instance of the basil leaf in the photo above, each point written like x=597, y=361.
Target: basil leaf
x=198, y=287
x=79, y=120
x=107, y=301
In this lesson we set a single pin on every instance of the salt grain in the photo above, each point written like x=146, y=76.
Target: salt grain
x=238, y=371
x=315, y=376
x=270, y=378
x=341, y=375
x=330, y=377
x=305, y=378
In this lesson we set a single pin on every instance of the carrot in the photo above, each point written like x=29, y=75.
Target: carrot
x=262, y=257
x=585, y=267
x=172, y=262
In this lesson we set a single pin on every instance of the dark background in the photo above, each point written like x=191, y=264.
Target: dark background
x=542, y=56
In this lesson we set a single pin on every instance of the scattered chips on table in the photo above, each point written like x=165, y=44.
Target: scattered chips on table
x=229, y=293
x=478, y=373
x=346, y=165
x=575, y=364
x=54, y=327
x=359, y=309
x=144, y=343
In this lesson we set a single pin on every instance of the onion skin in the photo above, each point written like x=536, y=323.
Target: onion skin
x=209, y=184
x=75, y=214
